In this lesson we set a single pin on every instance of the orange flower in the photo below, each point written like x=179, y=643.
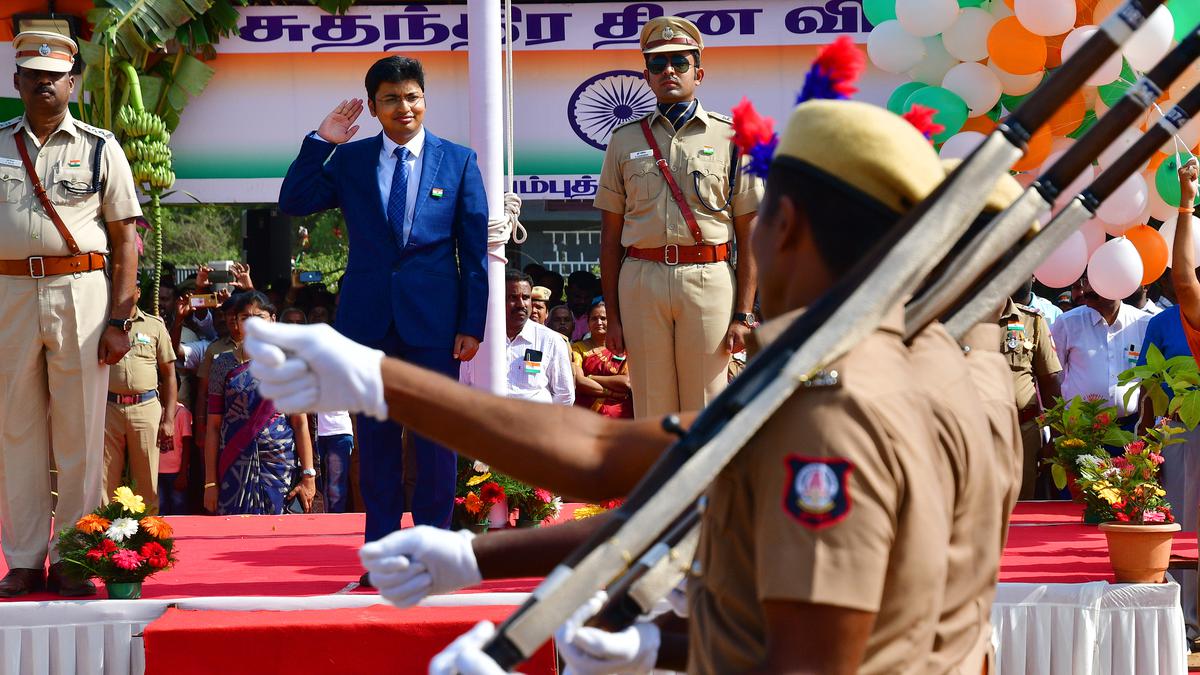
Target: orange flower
x=92, y=523
x=474, y=504
x=156, y=527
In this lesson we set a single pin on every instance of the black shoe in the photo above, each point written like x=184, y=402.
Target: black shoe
x=365, y=580
x=22, y=581
x=66, y=585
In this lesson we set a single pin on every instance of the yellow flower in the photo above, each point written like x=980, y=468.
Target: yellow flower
x=156, y=527
x=1107, y=492
x=92, y=523
x=131, y=502
x=1160, y=492
x=476, y=480
x=588, y=510
x=1073, y=443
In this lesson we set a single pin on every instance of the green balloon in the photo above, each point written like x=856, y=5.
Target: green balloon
x=896, y=101
x=1166, y=179
x=951, y=110
x=971, y=3
x=878, y=11
x=1186, y=14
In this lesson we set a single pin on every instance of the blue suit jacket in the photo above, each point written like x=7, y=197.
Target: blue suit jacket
x=431, y=288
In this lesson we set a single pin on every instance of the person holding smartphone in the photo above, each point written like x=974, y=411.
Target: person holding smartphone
x=538, y=362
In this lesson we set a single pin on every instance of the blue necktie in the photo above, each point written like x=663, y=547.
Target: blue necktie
x=398, y=196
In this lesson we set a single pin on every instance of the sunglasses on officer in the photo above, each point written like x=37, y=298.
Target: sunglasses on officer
x=658, y=63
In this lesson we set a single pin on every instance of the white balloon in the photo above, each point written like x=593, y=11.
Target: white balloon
x=892, y=49
x=960, y=145
x=1144, y=216
x=1093, y=234
x=966, y=40
x=1115, y=270
x=1119, y=146
x=1000, y=10
x=1085, y=178
x=1109, y=71
x=1017, y=85
x=924, y=18
x=937, y=62
x=1168, y=233
x=1046, y=17
x=1064, y=266
x=1151, y=42
x=1123, y=207
x=976, y=84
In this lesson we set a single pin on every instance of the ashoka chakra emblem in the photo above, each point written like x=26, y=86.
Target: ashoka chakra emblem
x=605, y=102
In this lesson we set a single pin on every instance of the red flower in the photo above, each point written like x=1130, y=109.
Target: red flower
x=491, y=492
x=155, y=554
x=1156, y=458
x=1135, y=448
x=1122, y=517
x=750, y=128
x=459, y=501
x=104, y=549
x=612, y=503
x=545, y=496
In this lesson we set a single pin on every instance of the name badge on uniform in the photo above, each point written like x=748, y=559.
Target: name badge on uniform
x=6, y=161
x=533, y=361
x=817, y=491
x=641, y=153
x=142, y=339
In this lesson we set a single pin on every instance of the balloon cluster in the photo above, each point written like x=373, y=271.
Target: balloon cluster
x=975, y=61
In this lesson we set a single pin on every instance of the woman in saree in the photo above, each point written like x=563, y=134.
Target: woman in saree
x=253, y=454
x=601, y=377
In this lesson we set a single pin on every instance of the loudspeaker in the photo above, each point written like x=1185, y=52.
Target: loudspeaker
x=267, y=244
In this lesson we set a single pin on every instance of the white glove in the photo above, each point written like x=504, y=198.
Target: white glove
x=314, y=369
x=591, y=651
x=677, y=598
x=465, y=655
x=410, y=564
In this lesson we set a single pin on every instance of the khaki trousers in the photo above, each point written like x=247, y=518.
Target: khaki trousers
x=1031, y=440
x=131, y=435
x=674, y=319
x=52, y=397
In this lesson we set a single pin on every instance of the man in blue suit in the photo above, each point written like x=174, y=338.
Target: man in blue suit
x=416, y=281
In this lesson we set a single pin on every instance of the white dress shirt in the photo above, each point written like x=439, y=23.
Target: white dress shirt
x=387, y=169
x=552, y=381
x=1094, y=353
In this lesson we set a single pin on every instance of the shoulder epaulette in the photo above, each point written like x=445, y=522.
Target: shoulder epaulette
x=718, y=116
x=636, y=120
x=9, y=123
x=1029, y=309
x=95, y=131
x=820, y=379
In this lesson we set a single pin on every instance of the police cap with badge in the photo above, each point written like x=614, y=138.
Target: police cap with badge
x=41, y=50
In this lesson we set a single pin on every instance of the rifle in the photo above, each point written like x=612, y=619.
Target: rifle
x=848, y=312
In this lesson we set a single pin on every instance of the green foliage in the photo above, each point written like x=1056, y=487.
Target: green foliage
x=1180, y=375
x=1084, y=426
x=1126, y=488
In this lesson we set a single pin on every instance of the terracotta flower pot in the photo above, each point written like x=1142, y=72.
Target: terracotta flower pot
x=1139, y=553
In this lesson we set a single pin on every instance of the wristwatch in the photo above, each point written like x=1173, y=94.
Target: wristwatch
x=747, y=319
x=309, y=473
x=124, y=324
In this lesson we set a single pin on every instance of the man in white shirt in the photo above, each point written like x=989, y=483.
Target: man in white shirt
x=538, y=362
x=1096, y=342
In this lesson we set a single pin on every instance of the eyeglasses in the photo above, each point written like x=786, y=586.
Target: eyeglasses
x=392, y=101
x=658, y=63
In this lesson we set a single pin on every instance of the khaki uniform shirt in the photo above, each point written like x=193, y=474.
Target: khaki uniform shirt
x=699, y=155
x=975, y=500
x=63, y=164
x=221, y=346
x=994, y=382
x=834, y=501
x=150, y=345
x=1027, y=345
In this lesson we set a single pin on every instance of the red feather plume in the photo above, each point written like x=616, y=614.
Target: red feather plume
x=921, y=117
x=842, y=62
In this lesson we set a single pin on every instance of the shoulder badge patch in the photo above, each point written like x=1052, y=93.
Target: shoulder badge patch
x=9, y=123
x=1028, y=309
x=817, y=492
x=718, y=116
x=96, y=131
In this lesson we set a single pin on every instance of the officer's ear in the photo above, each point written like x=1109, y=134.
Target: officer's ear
x=371, y=105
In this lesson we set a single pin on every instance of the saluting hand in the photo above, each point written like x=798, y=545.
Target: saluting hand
x=338, y=126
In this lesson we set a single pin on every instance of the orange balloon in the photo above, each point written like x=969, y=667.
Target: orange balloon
x=983, y=124
x=1010, y=4
x=1083, y=12
x=1159, y=158
x=1152, y=248
x=1054, y=50
x=1103, y=9
x=1014, y=49
x=1038, y=151
x=1068, y=117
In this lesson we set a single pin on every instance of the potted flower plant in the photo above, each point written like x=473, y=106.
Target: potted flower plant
x=1082, y=426
x=118, y=544
x=479, y=499
x=534, y=505
x=1140, y=526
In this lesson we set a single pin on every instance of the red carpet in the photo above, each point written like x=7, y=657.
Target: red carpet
x=366, y=641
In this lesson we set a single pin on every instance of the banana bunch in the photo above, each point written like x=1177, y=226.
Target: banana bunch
x=146, y=147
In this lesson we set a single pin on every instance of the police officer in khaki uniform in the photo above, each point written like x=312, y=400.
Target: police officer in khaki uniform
x=823, y=547
x=539, y=307
x=667, y=239
x=60, y=324
x=1037, y=379
x=141, y=408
